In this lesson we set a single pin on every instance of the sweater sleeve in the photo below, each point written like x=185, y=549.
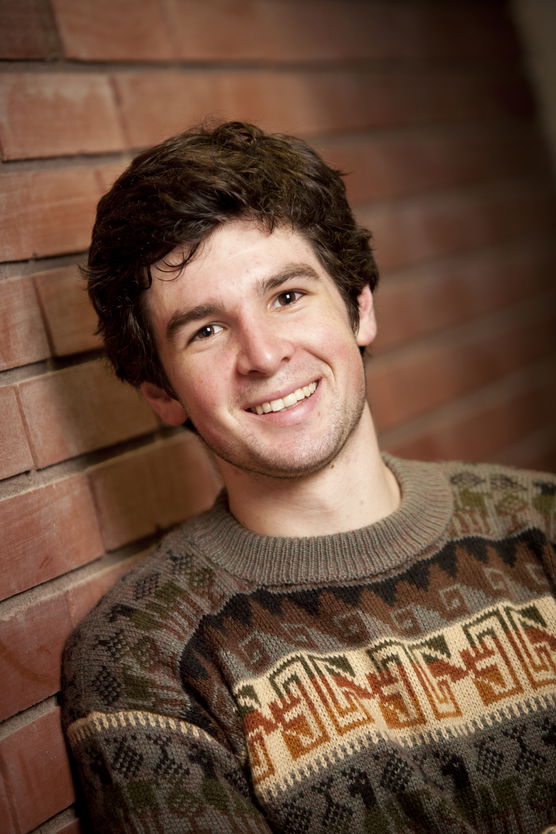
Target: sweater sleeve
x=153, y=753
x=142, y=772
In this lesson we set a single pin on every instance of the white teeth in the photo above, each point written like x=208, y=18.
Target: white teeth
x=286, y=402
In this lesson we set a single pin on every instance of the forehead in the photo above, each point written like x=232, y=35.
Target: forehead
x=228, y=264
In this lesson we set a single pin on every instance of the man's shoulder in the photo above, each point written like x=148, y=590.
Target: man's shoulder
x=496, y=478
x=148, y=616
x=175, y=564
x=508, y=497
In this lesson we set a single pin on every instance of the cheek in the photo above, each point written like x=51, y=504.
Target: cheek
x=336, y=339
x=201, y=392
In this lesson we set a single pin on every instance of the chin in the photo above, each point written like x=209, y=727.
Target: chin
x=288, y=467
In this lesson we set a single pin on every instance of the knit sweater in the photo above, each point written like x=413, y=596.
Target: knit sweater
x=397, y=678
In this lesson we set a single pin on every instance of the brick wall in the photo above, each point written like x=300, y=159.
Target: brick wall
x=425, y=102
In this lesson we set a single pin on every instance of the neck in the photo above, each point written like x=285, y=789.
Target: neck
x=354, y=490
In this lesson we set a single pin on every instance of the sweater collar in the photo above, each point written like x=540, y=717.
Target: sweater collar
x=417, y=525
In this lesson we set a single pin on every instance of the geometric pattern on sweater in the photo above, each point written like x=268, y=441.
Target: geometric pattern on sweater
x=485, y=670
x=403, y=683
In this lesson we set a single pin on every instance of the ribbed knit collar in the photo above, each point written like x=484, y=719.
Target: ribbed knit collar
x=417, y=525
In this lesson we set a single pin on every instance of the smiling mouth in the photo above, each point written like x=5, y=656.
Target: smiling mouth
x=285, y=402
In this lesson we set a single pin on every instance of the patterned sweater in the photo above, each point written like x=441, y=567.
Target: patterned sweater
x=397, y=678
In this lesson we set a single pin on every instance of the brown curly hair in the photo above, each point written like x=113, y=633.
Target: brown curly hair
x=176, y=193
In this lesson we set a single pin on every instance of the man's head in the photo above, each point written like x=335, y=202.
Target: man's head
x=173, y=196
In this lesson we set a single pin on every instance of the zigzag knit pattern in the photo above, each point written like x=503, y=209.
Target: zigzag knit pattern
x=400, y=678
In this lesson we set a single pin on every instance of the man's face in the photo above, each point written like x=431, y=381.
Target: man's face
x=256, y=342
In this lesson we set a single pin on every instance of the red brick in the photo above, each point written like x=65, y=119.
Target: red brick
x=85, y=595
x=411, y=382
x=31, y=643
x=155, y=487
x=269, y=31
x=70, y=316
x=287, y=31
x=153, y=104
x=108, y=174
x=16, y=454
x=79, y=409
x=125, y=497
x=57, y=113
x=46, y=212
x=37, y=770
x=441, y=295
x=112, y=30
x=409, y=163
x=47, y=532
x=26, y=30
x=22, y=335
x=483, y=433
x=408, y=232
x=186, y=480
x=7, y=821
x=292, y=31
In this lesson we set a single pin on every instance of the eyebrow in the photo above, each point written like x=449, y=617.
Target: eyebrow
x=180, y=319
x=202, y=311
x=290, y=271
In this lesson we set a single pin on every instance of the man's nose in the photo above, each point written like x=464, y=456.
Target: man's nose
x=262, y=349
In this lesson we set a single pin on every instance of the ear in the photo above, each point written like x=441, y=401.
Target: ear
x=366, y=330
x=167, y=408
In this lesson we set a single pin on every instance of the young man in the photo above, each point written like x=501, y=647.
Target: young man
x=345, y=641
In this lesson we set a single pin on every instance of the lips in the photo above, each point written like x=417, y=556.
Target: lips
x=288, y=401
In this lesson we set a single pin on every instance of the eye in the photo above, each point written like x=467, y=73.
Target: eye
x=288, y=297
x=206, y=332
